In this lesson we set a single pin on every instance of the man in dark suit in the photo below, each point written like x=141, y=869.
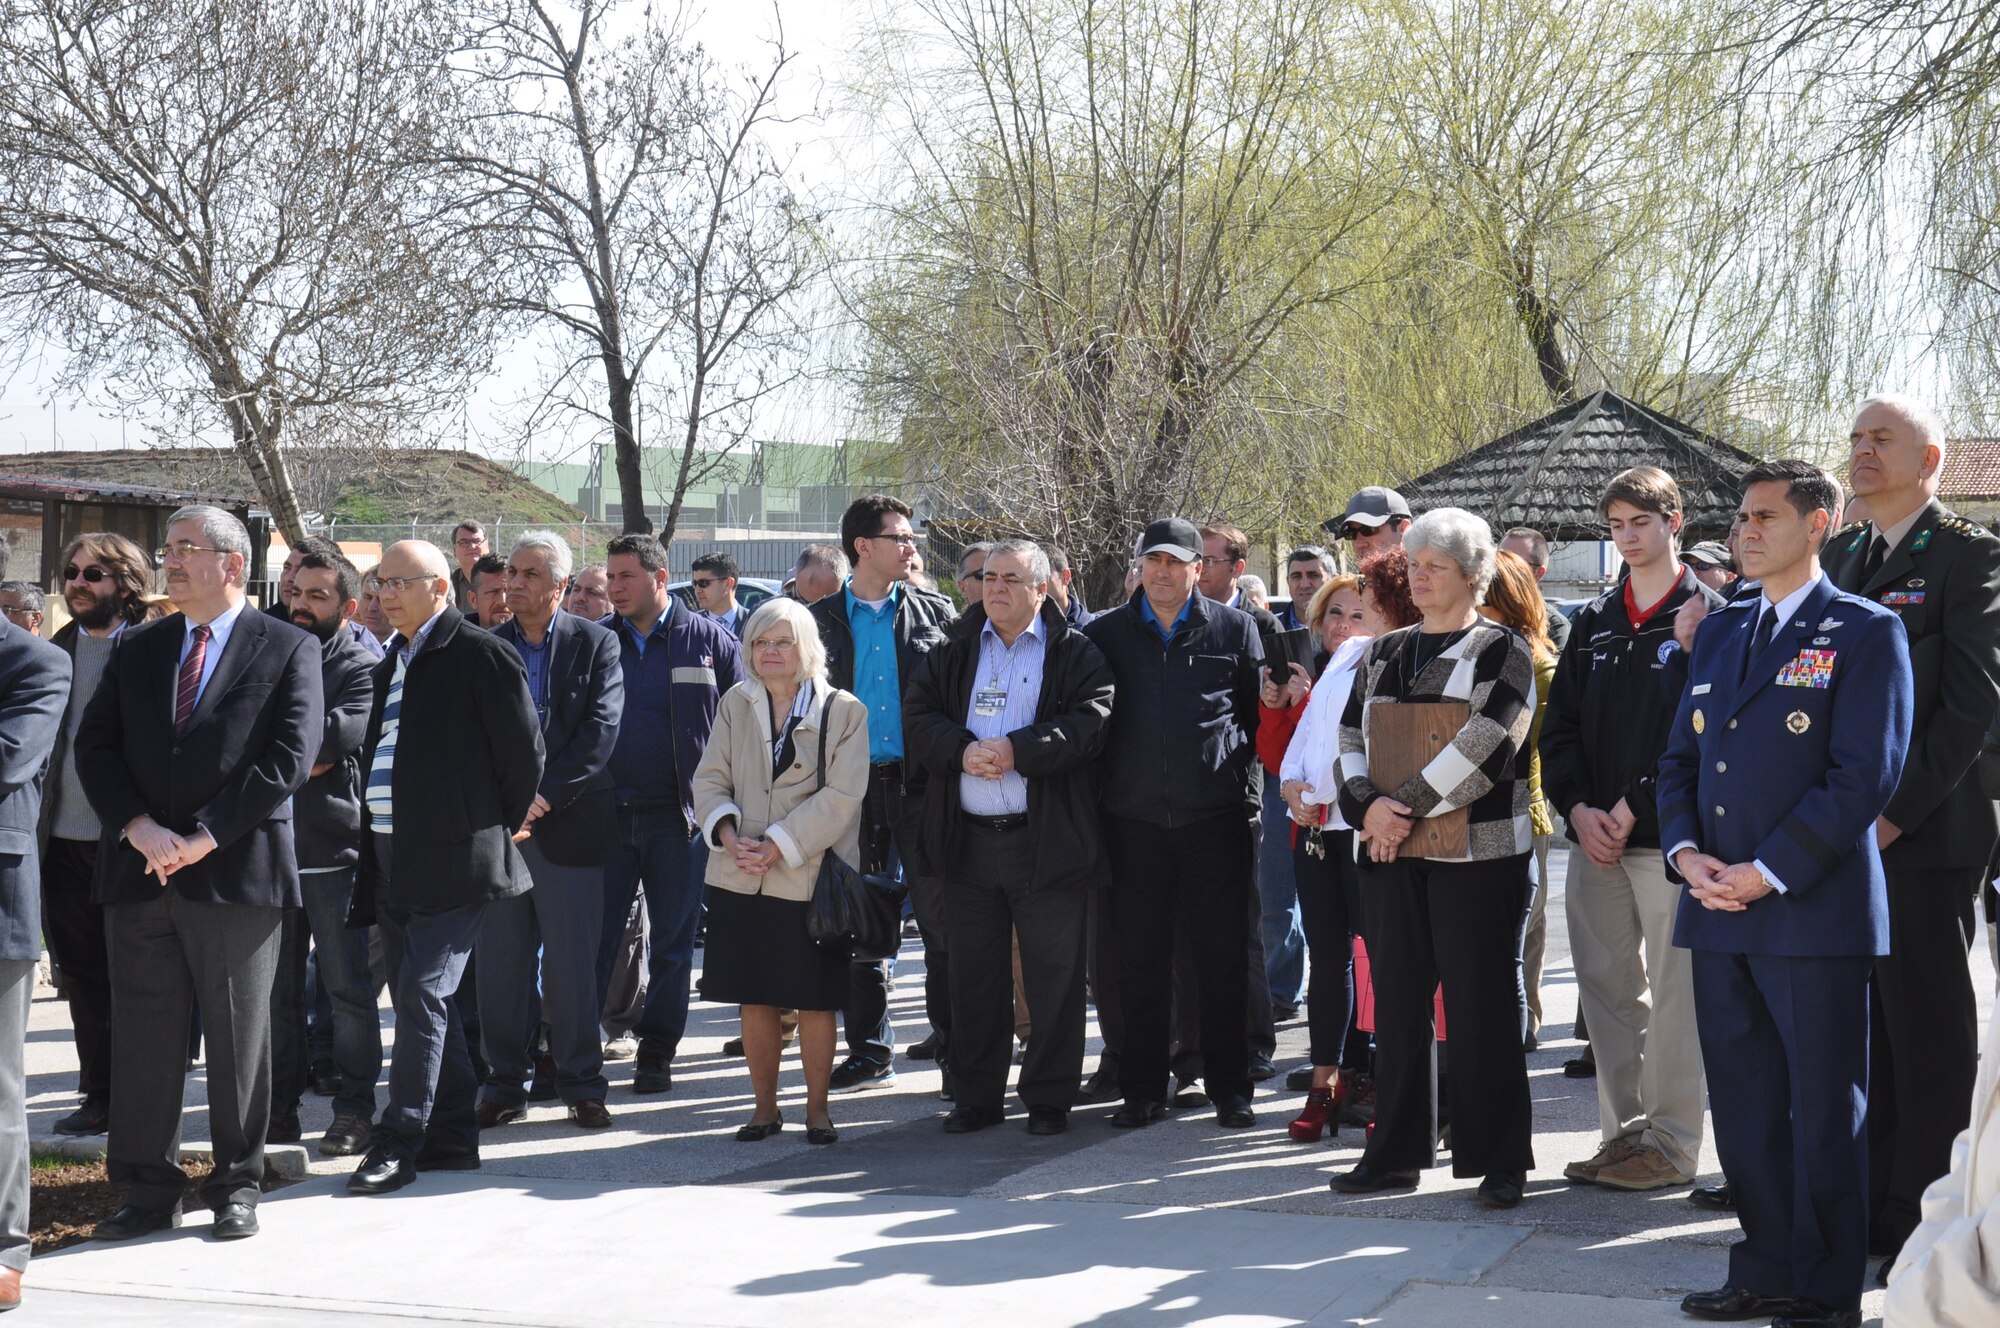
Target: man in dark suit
x=1941, y=576
x=34, y=684
x=552, y=932
x=1785, y=748
x=454, y=754
x=205, y=725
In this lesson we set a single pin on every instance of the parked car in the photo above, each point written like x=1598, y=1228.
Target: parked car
x=750, y=591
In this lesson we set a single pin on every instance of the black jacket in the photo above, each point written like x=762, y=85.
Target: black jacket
x=1183, y=741
x=468, y=761
x=34, y=684
x=585, y=700
x=1056, y=754
x=248, y=747
x=327, y=812
x=1943, y=581
x=1612, y=706
x=921, y=619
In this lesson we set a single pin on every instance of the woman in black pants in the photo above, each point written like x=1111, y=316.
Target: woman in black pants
x=1451, y=919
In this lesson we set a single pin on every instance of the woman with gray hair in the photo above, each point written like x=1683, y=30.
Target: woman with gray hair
x=1455, y=918
x=779, y=786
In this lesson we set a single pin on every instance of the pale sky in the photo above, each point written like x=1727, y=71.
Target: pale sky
x=819, y=30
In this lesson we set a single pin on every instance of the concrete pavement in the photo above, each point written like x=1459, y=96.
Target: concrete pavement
x=665, y=1219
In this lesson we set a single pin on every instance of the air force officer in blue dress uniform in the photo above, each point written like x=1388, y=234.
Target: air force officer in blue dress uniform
x=1787, y=745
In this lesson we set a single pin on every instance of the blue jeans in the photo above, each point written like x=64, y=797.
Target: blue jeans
x=1284, y=930
x=348, y=985
x=656, y=851
x=433, y=1092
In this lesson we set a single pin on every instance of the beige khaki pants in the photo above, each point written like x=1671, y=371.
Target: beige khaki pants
x=1637, y=994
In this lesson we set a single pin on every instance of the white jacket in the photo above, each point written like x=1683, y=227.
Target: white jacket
x=1948, y=1275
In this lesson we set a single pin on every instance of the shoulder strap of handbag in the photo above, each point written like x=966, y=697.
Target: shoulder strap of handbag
x=824, y=706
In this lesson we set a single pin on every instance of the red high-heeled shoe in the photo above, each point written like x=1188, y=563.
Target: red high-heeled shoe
x=1318, y=1116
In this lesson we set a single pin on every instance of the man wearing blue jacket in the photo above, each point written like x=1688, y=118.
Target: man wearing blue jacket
x=1787, y=745
x=676, y=666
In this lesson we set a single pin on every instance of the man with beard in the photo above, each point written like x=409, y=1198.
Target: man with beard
x=295, y=558
x=106, y=578
x=327, y=828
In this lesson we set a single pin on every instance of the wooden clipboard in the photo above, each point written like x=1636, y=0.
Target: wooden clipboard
x=1403, y=738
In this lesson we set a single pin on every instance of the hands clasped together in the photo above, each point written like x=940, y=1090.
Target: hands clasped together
x=1720, y=886
x=990, y=758
x=166, y=852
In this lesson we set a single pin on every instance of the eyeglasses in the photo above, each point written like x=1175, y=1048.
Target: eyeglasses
x=703, y=583
x=376, y=585
x=91, y=574
x=18, y=613
x=1355, y=532
x=469, y=541
x=908, y=540
x=973, y=577
x=184, y=550
x=774, y=643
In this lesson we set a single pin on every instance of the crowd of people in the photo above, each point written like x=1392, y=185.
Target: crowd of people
x=519, y=795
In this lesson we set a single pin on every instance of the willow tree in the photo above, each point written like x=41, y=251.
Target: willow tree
x=219, y=207
x=1107, y=217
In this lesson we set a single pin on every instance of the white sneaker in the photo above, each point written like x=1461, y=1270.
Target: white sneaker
x=624, y=1047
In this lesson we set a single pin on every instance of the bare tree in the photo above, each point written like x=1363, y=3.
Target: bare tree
x=654, y=228
x=215, y=206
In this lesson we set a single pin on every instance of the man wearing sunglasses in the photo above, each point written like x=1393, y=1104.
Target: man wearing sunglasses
x=106, y=578
x=1374, y=520
x=715, y=590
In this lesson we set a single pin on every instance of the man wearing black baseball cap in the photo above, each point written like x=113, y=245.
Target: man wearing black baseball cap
x=1180, y=785
x=1712, y=565
x=1374, y=520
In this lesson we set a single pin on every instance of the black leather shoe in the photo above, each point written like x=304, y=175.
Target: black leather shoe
x=1100, y=1088
x=822, y=1134
x=325, y=1076
x=130, y=1222
x=970, y=1120
x=1046, y=1120
x=1300, y=1080
x=1234, y=1113
x=1716, y=1197
x=1365, y=1179
x=1261, y=1068
x=653, y=1075
x=1187, y=1095
x=492, y=1115
x=733, y=1047
x=91, y=1116
x=383, y=1171
x=1807, y=1313
x=1501, y=1191
x=542, y=1088
x=926, y=1050
x=347, y=1136
x=1882, y=1271
x=284, y=1129
x=1734, y=1303
x=1580, y=1067
x=234, y=1221
x=758, y=1131
x=1134, y=1115
x=448, y=1159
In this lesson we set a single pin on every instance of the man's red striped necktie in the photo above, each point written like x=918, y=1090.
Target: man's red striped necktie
x=190, y=682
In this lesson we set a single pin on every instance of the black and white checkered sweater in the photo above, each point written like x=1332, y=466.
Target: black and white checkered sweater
x=1485, y=770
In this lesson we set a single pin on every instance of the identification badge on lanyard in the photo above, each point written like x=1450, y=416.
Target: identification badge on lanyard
x=989, y=701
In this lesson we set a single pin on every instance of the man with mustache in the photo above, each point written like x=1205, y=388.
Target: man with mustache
x=106, y=584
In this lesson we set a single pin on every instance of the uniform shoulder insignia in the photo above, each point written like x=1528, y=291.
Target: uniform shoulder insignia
x=1958, y=525
x=1856, y=530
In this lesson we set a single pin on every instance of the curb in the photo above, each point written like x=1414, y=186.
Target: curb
x=282, y=1162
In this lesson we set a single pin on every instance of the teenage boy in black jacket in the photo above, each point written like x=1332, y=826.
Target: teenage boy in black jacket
x=1181, y=784
x=1007, y=718
x=1609, y=712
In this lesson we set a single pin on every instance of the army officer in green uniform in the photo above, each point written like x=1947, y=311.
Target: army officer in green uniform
x=1941, y=575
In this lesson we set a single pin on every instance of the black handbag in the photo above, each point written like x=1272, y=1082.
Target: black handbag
x=857, y=912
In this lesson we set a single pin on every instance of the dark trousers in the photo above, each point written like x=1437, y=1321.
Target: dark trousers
x=1784, y=1040
x=433, y=1088
x=353, y=1024
x=1924, y=1054
x=552, y=933
x=656, y=853
x=74, y=929
x=1172, y=882
x=1103, y=954
x=166, y=954
x=1260, y=1019
x=288, y=1014
x=991, y=897
x=1455, y=922
x=889, y=821
x=1329, y=901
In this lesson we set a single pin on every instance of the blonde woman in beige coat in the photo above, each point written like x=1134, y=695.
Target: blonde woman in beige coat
x=768, y=820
